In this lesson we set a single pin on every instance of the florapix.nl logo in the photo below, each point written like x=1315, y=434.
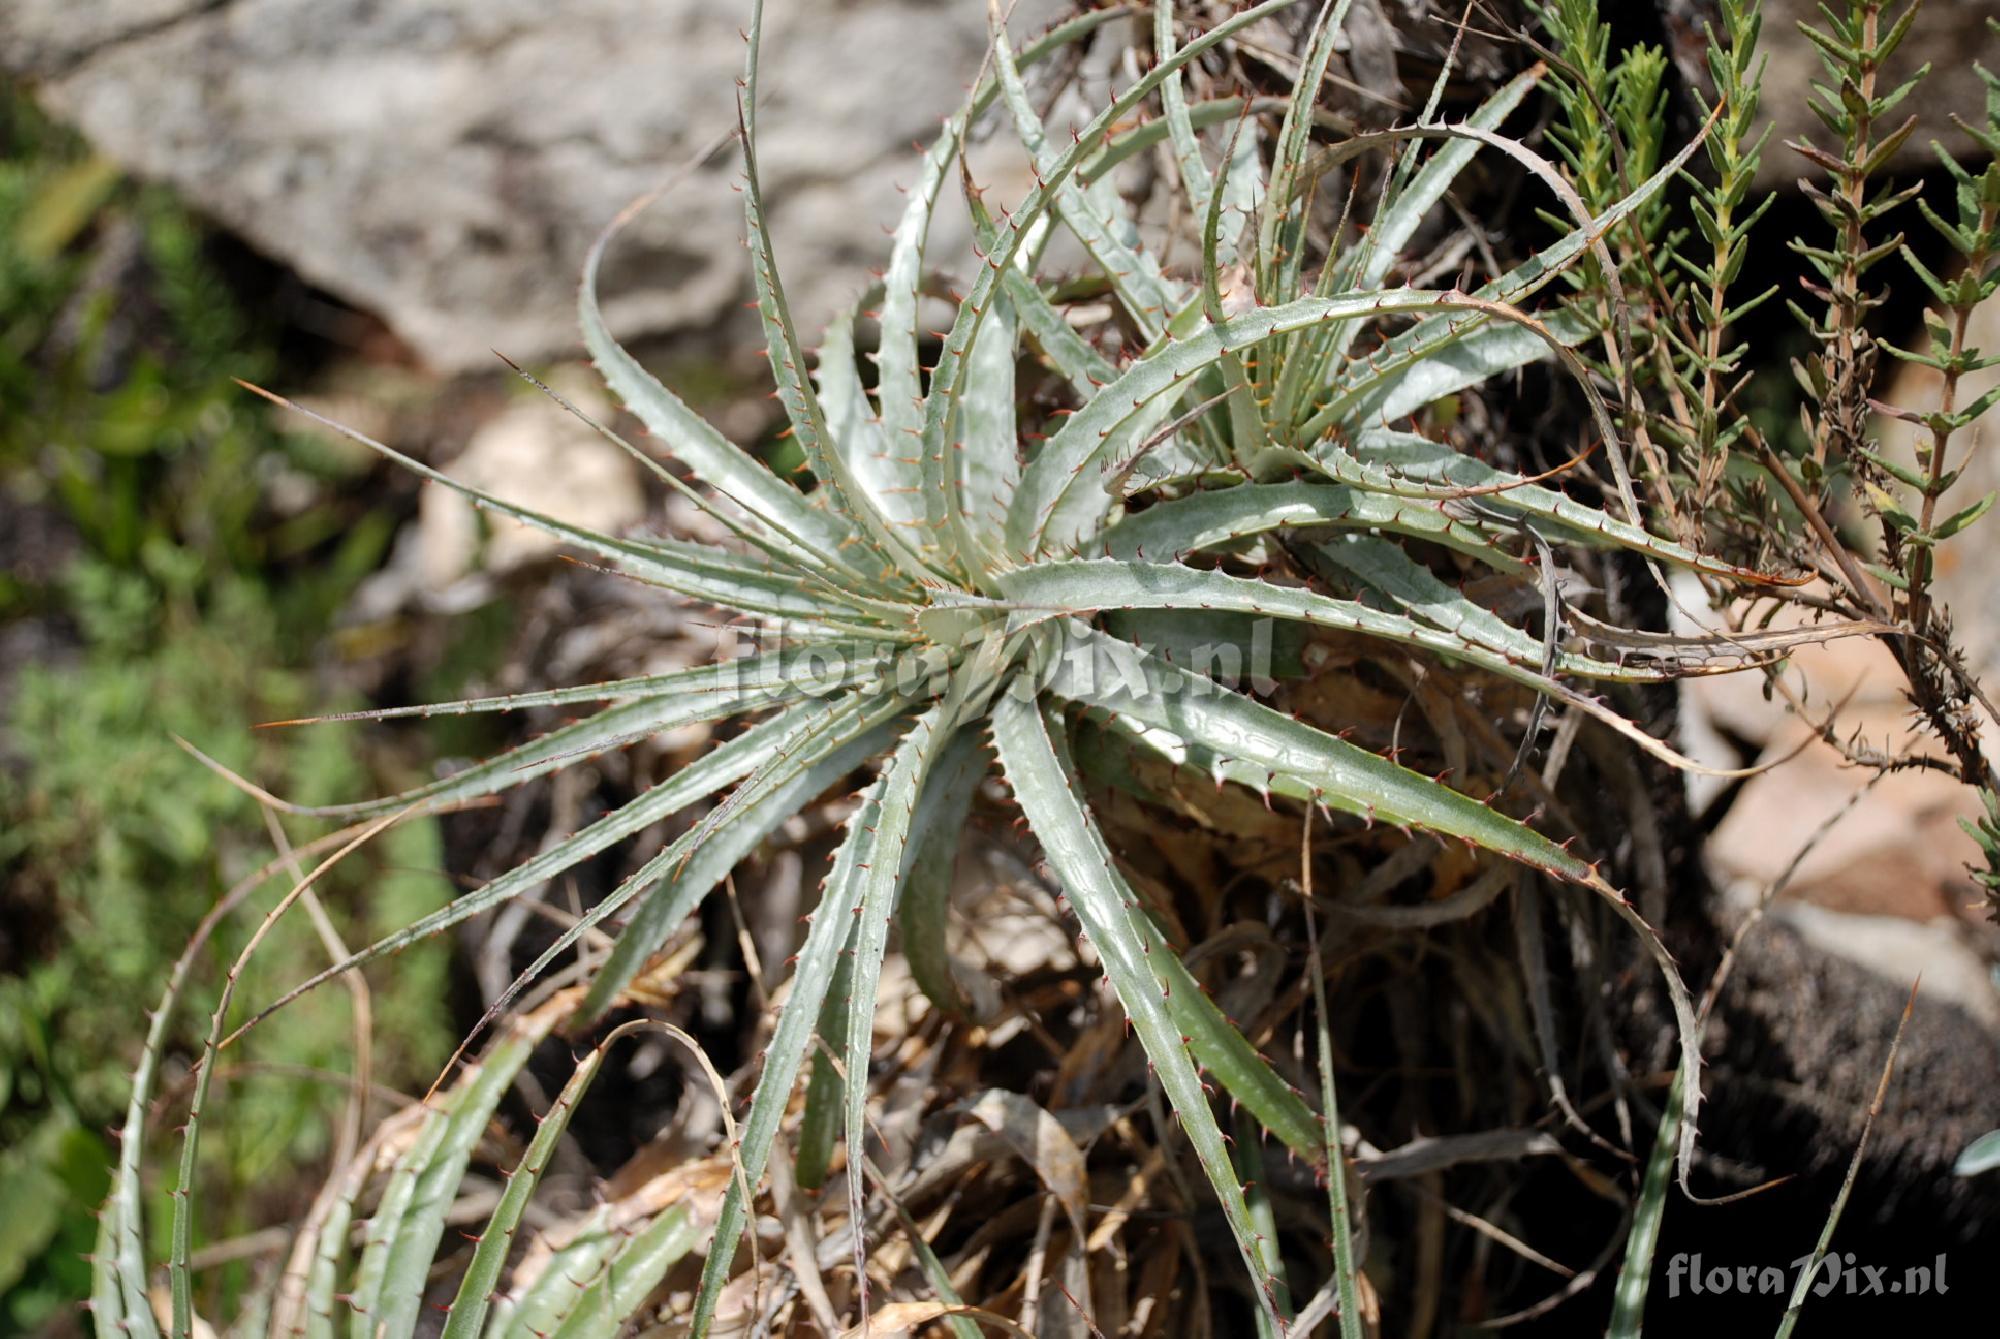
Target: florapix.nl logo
x=1837, y=1273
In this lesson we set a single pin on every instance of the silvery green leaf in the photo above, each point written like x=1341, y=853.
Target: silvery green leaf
x=1045, y=784
x=408, y=1222
x=868, y=856
x=714, y=770
x=816, y=536
x=1213, y=729
x=1405, y=464
x=1091, y=213
x=709, y=693
x=882, y=552
x=799, y=767
x=1063, y=497
x=941, y=403
x=1220, y=518
x=1368, y=396
x=885, y=472
x=1404, y=211
x=1281, y=239
x=924, y=906
x=1064, y=588
x=1981, y=1155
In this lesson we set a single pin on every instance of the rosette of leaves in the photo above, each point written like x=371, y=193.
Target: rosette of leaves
x=946, y=587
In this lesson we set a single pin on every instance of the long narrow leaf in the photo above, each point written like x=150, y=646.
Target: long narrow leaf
x=706, y=775
x=941, y=405
x=1046, y=786
x=1217, y=518
x=719, y=578
x=989, y=457
x=1635, y=1274
x=408, y=1222
x=901, y=385
x=1135, y=276
x=1518, y=284
x=1405, y=212
x=1405, y=464
x=880, y=550
x=924, y=904
x=476, y=1287
x=1229, y=735
x=1061, y=589
x=734, y=688
x=629, y=1275
x=830, y=930
x=676, y=880
x=696, y=680
x=1370, y=396
x=1062, y=498
x=1281, y=230
x=1196, y=181
x=826, y=1104
x=818, y=537
x=885, y=471
x=903, y=784
x=601, y=1254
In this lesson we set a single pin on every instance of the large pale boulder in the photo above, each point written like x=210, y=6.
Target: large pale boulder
x=446, y=163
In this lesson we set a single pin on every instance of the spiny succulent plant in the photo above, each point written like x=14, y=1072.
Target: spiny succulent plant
x=939, y=596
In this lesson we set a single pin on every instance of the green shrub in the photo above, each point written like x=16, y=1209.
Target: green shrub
x=162, y=617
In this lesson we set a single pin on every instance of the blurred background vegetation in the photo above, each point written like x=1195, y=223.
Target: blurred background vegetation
x=170, y=564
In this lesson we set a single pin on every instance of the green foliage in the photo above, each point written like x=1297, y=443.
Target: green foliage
x=1720, y=474
x=1890, y=579
x=1719, y=482
x=954, y=577
x=117, y=842
x=969, y=564
x=51, y=1178
x=952, y=583
x=1974, y=236
x=1986, y=834
x=1611, y=134
x=1854, y=109
x=115, y=391
x=158, y=615
x=1707, y=363
x=1584, y=91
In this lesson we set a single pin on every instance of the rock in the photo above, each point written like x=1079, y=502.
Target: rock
x=532, y=454
x=446, y=163
x=1815, y=829
x=1815, y=826
x=1796, y=1050
x=1936, y=956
